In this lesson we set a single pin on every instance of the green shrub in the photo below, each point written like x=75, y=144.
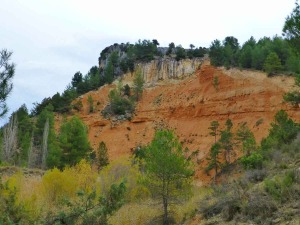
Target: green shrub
x=273, y=188
x=216, y=82
x=119, y=104
x=280, y=187
x=253, y=161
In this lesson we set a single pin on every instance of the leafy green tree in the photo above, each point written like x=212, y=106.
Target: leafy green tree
x=67, y=97
x=216, y=53
x=281, y=47
x=213, y=159
x=293, y=63
x=190, y=52
x=180, y=53
x=226, y=140
x=231, y=47
x=232, y=42
x=155, y=42
x=258, y=58
x=168, y=172
x=283, y=131
x=214, y=126
x=246, y=138
x=171, y=48
x=283, y=128
x=103, y=159
x=58, y=102
x=272, y=64
x=7, y=71
x=73, y=141
x=291, y=28
x=25, y=128
x=92, y=79
x=138, y=84
x=246, y=52
x=145, y=50
x=77, y=78
x=199, y=52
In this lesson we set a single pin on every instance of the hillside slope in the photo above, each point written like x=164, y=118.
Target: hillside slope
x=188, y=106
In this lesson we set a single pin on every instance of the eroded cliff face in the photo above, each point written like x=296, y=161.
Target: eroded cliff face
x=187, y=103
x=168, y=68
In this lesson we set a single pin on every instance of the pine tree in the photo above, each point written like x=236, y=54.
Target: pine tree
x=226, y=140
x=103, y=159
x=272, y=64
x=213, y=159
x=73, y=141
x=25, y=128
x=291, y=27
x=246, y=138
x=7, y=71
x=214, y=125
x=168, y=172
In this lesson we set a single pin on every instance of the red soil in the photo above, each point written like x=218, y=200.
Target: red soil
x=188, y=106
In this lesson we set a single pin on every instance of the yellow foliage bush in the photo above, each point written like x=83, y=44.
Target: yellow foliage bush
x=118, y=171
x=25, y=199
x=57, y=184
x=149, y=212
x=136, y=213
x=86, y=177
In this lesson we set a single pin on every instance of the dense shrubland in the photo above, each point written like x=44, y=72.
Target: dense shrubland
x=268, y=189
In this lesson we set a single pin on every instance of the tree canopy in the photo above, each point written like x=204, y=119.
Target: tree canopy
x=291, y=28
x=73, y=141
x=168, y=171
x=7, y=71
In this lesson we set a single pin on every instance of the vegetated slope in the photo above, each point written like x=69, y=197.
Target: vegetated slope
x=188, y=106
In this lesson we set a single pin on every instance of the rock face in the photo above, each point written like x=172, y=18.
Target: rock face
x=163, y=67
x=189, y=105
x=168, y=68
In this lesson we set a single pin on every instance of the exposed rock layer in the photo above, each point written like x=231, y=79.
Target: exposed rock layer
x=189, y=105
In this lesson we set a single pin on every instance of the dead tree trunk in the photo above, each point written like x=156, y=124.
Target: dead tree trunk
x=10, y=141
x=31, y=153
x=45, y=144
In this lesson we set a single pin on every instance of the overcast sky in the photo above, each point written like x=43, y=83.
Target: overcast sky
x=53, y=39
